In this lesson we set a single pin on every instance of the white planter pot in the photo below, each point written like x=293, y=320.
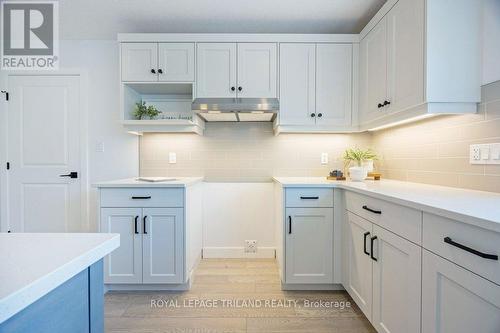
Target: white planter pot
x=358, y=174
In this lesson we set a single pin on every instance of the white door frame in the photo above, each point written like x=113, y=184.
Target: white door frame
x=4, y=144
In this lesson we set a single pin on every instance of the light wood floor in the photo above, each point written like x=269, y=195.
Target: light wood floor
x=219, y=281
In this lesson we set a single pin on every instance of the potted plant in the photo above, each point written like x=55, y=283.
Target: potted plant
x=142, y=111
x=362, y=160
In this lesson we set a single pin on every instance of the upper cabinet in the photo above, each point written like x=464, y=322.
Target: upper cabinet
x=157, y=62
x=419, y=58
x=315, y=87
x=236, y=70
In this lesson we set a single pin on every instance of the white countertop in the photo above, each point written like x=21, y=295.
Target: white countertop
x=133, y=182
x=32, y=265
x=474, y=207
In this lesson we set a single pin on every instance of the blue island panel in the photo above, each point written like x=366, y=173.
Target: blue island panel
x=77, y=306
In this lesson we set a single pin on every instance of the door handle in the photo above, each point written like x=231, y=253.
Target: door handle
x=364, y=243
x=371, y=247
x=72, y=174
x=372, y=210
x=144, y=224
x=136, y=231
x=448, y=240
x=289, y=224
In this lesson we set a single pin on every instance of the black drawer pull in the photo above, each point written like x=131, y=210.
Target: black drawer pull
x=371, y=247
x=309, y=198
x=135, y=225
x=289, y=224
x=364, y=243
x=448, y=240
x=144, y=224
x=372, y=210
x=141, y=198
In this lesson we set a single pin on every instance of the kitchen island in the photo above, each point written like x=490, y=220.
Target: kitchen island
x=53, y=282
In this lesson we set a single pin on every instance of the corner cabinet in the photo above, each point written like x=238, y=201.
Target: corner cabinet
x=419, y=58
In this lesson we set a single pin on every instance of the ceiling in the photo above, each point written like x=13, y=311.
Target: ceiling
x=103, y=19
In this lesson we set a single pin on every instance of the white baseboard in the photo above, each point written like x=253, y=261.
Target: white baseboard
x=237, y=252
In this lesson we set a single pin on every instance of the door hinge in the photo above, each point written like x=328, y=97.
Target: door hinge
x=6, y=94
x=8, y=165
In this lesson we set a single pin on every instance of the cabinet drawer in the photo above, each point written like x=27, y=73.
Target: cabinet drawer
x=309, y=197
x=437, y=228
x=403, y=221
x=142, y=197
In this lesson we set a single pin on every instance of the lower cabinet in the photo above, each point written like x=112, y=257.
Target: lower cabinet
x=309, y=245
x=383, y=276
x=457, y=300
x=151, y=245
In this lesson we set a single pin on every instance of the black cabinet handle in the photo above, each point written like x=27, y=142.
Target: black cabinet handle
x=289, y=224
x=309, y=198
x=448, y=240
x=233, y=88
x=380, y=105
x=313, y=115
x=153, y=71
x=144, y=224
x=386, y=103
x=372, y=210
x=141, y=198
x=364, y=243
x=320, y=115
x=160, y=71
x=371, y=247
x=240, y=88
x=72, y=174
x=135, y=225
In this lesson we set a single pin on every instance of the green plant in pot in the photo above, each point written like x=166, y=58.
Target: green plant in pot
x=362, y=160
x=143, y=111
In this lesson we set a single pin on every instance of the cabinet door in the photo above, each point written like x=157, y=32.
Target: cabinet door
x=257, y=70
x=405, y=31
x=309, y=245
x=176, y=62
x=297, y=84
x=457, y=300
x=373, y=72
x=123, y=265
x=396, y=283
x=216, y=70
x=138, y=61
x=163, y=245
x=359, y=263
x=333, y=84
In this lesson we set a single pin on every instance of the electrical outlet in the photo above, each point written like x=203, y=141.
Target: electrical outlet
x=172, y=158
x=488, y=153
x=250, y=246
x=99, y=147
x=324, y=158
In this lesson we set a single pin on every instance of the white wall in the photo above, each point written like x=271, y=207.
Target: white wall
x=491, y=41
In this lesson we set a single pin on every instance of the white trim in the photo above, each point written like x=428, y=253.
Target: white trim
x=84, y=176
x=376, y=19
x=238, y=38
x=237, y=252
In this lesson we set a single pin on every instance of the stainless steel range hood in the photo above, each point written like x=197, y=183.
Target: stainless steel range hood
x=236, y=109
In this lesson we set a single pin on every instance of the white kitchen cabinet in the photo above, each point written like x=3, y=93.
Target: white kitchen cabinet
x=309, y=245
x=297, y=84
x=333, y=84
x=359, y=273
x=457, y=300
x=176, y=62
x=396, y=283
x=123, y=265
x=257, y=70
x=139, y=62
x=216, y=70
x=163, y=245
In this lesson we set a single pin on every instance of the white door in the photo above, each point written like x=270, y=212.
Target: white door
x=405, y=31
x=216, y=70
x=163, y=245
x=139, y=61
x=396, y=283
x=44, y=118
x=309, y=245
x=333, y=84
x=359, y=263
x=297, y=84
x=257, y=70
x=373, y=72
x=123, y=265
x=176, y=62
x=455, y=300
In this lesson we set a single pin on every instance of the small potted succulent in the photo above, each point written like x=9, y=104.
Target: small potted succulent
x=142, y=111
x=362, y=160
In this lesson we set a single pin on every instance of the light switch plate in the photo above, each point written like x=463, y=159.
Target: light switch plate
x=324, y=158
x=99, y=147
x=488, y=153
x=172, y=158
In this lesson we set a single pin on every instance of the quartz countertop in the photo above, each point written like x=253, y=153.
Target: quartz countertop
x=469, y=206
x=133, y=182
x=32, y=264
